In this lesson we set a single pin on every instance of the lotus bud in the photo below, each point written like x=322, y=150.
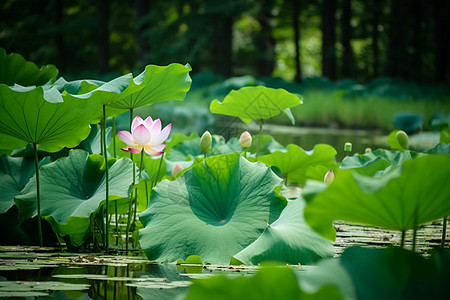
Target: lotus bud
x=368, y=150
x=206, y=142
x=348, y=147
x=402, y=139
x=329, y=177
x=246, y=139
x=177, y=168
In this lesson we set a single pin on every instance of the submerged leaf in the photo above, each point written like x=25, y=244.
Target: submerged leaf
x=214, y=210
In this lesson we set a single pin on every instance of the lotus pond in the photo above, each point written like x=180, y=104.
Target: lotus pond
x=93, y=210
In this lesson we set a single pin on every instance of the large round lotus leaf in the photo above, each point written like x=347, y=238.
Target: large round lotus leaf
x=214, y=210
x=289, y=240
x=162, y=83
x=377, y=162
x=255, y=103
x=299, y=165
x=75, y=187
x=408, y=196
x=15, y=172
x=15, y=69
x=39, y=116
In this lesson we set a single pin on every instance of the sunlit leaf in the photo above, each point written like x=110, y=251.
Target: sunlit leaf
x=296, y=162
x=14, y=69
x=289, y=240
x=255, y=103
x=214, y=210
x=413, y=194
x=39, y=116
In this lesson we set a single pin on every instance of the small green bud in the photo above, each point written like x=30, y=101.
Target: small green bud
x=368, y=150
x=206, y=142
x=329, y=177
x=348, y=147
x=246, y=139
x=402, y=139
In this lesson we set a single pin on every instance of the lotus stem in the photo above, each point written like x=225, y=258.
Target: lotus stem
x=105, y=154
x=444, y=231
x=132, y=189
x=159, y=169
x=415, y=228
x=38, y=194
x=402, y=242
x=113, y=135
x=258, y=145
x=141, y=166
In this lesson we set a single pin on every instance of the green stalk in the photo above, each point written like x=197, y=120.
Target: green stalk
x=415, y=228
x=141, y=165
x=38, y=194
x=132, y=189
x=402, y=242
x=444, y=232
x=105, y=154
x=258, y=145
x=159, y=169
x=114, y=132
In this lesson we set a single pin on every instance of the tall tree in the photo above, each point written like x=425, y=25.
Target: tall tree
x=346, y=35
x=375, y=8
x=142, y=12
x=104, y=36
x=442, y=41
x=264, y=40
x=59, y=37
x=296, y=26
x=329, y=39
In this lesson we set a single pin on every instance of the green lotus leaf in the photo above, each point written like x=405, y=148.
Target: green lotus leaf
x=15, y=172
x=214, y=210
x=390, y=273
x=267, y=145
x=270, y=282
x=289, y=240
x=75, y=187
x=255, y=103
x=162, y=83
x=440, y=148
x=14, y=69
x=9, y=143
x=377, y=162
x=295, y=163
x=39, y=116
x=408, y=196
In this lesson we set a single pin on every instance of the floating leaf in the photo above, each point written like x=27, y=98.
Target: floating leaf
x=14, y=69
x=295, y=163
x=214, y=210
x=413, y=194
x=73, y=188
x=255, y=103
x=289, y=240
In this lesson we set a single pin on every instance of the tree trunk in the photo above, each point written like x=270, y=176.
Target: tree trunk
x=222, y=50
x=104, y=36
x=329, y=39
x=295, y=25
x=264, y=40
x=59, y=38
x=347, y=51
x=375, y=8
x=442, y=41
x=142, y=11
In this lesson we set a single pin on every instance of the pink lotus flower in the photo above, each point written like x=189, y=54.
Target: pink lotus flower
x=145, y=135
